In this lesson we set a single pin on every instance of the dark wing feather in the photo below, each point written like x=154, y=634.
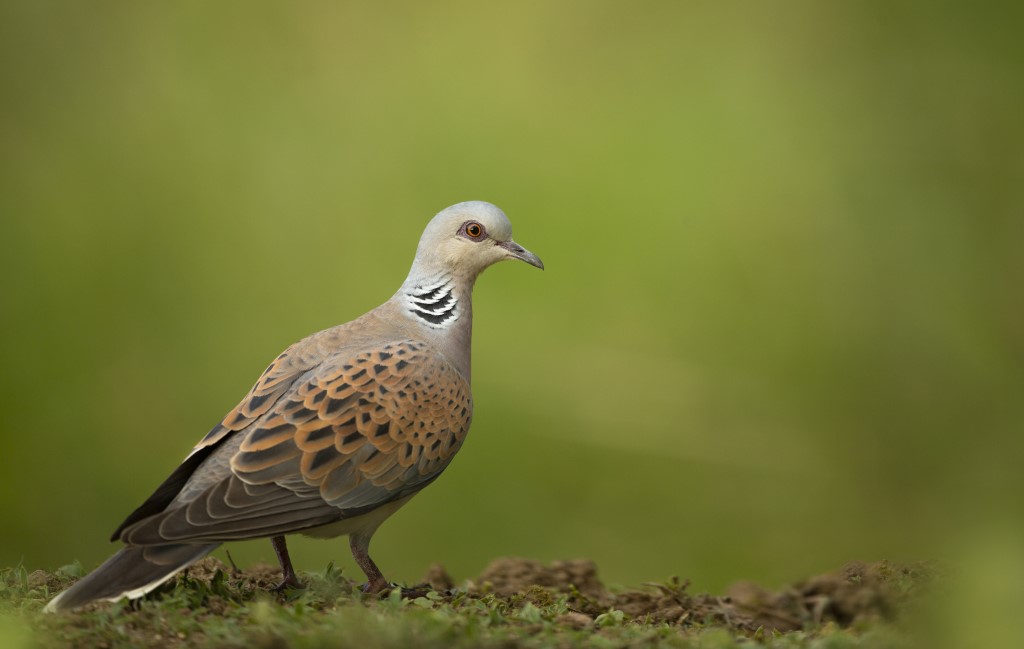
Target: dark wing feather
x=168, y=490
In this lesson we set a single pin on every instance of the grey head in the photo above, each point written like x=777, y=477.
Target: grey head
x=456, y=246
x=464, y=239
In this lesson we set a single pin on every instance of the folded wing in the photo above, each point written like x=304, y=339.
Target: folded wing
x=356, y=432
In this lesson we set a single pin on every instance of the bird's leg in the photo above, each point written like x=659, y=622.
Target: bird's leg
x=377, y=584
x=287, y=571
x=360, y=545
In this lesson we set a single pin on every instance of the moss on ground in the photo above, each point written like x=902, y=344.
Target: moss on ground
x=514, y=603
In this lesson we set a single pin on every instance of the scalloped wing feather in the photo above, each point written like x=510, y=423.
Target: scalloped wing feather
x=350, y=435
x=392, y=417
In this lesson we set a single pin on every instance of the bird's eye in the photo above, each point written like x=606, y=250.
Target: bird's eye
x=474, y=230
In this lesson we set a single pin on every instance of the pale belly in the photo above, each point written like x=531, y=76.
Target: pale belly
x=365, y=523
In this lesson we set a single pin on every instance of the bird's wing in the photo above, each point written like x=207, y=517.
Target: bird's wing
x=272, y=384
x=275, y=381
x=353, y=434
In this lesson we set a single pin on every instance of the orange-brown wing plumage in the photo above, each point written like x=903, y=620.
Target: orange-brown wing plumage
x=345, y=437
x=275, y=381
x=388, y=417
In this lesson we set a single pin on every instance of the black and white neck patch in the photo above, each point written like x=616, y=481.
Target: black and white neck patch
x=434, y=303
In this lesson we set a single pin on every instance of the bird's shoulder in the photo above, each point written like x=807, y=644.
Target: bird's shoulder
x=319, y=352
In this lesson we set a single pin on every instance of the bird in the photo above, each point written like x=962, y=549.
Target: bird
x=341, y=430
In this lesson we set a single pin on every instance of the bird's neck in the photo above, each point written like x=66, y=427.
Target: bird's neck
x=441, y=305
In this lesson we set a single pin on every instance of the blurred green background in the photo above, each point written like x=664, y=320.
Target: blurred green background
x=782, y=325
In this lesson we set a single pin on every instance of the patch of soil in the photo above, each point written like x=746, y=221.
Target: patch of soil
x=855, y=593
x=847, y=596
x=258, y=577
x=509, y=575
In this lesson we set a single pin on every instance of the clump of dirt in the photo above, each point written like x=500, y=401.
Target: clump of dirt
x=670, y=603
x=508, y=576
x=856, y=592
x=43, y=579
x=255, y=578
x=438, y=578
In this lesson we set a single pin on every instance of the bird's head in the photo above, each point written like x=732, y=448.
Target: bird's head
x=466, y=238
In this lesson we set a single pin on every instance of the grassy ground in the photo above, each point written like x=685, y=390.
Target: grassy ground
x=514, y=603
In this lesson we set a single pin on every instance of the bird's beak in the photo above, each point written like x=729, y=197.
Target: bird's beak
x=517, y=251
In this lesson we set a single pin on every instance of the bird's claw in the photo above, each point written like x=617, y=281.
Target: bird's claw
x=288, y=583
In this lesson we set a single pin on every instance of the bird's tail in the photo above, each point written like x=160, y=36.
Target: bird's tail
x=131, y=573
